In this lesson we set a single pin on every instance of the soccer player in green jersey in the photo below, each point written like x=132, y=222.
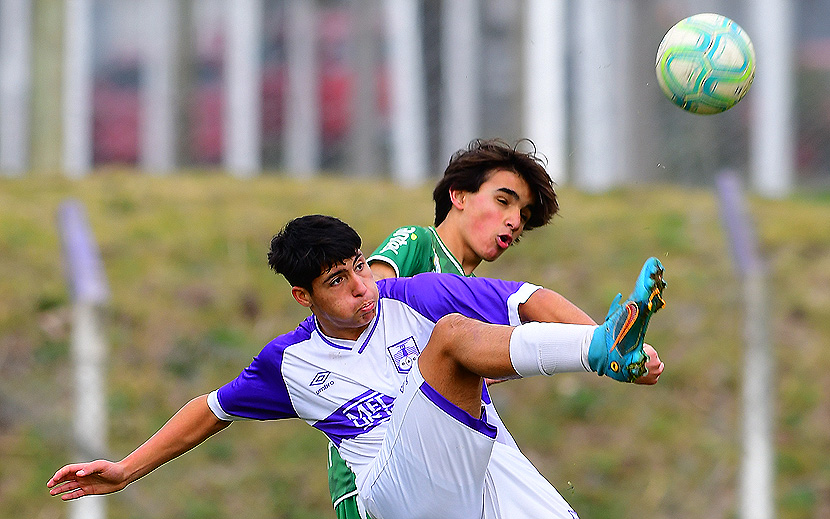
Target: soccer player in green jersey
x=490, y=194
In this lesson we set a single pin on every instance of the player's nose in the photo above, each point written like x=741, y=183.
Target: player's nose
x=513, y=219
x=359, y=285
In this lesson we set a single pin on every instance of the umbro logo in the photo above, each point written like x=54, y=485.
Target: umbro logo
x=321, y=379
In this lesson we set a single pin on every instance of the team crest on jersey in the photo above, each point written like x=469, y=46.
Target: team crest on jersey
x=404, y=354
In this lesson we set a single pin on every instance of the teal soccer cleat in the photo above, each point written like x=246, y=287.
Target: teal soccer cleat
x=616, y=348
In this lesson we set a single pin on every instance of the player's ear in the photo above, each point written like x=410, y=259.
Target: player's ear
x=302, y=296
x=457, y=197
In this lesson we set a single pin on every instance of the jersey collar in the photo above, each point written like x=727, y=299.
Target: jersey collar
x=446, y=251
x=345, y=344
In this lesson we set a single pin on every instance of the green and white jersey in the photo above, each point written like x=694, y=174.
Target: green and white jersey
x=415, y=249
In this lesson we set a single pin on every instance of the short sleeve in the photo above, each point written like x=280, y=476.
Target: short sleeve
x=436, y=295
x=408, y=251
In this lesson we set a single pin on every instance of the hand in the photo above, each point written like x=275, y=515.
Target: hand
x=85, y=479
x=654, y=366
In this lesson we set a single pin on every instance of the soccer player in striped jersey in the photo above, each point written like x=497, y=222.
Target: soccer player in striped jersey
x=392, y=373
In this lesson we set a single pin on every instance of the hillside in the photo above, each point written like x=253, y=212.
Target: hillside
x=193, y=300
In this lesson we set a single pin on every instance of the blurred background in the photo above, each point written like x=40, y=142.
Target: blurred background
x=393, y=87
x=190, y=130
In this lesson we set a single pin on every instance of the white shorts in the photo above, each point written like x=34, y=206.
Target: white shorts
x=438, y=461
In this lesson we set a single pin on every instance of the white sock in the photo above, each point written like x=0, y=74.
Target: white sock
x=548, y=348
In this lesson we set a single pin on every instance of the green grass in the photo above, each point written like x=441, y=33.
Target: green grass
x=193, y=300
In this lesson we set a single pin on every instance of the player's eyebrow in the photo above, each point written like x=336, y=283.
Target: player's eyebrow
x=513, y=194
x=336, y=269
x=508, y=191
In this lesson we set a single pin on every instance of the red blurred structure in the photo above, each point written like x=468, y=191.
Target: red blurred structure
x=117, y=106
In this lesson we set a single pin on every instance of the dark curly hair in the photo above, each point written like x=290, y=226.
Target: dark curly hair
x=470, y=167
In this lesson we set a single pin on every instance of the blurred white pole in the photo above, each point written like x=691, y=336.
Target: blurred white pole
x=407, y=92
x=461, y=90
x=15, y=84
x=545, y=97
x=89, y=356
x=758, y=456
x=772, y=93
x=757, y=477
x=77, y=88
x=595, y=144
x=157, y=133
x=623, y=58
x=302, y=132
x=89, y=291
x=364, y=132
x=243, y=88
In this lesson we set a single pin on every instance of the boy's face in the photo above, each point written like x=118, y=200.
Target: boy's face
x=343, y=298
x=493, y=217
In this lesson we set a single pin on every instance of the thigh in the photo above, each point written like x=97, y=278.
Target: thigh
x=516, y=489
x=433, y=460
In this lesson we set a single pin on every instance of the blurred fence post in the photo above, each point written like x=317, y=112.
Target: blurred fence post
x=85, y=275
x=461, y=92
x=302, y=135
x=407, y=93
x=595, y=142
x=15, y=81
x=545, y=82
x=77, y=88
x=158, y=133
x=364, y=149
x=243, y=88
x=772, y=129
x=757, y=461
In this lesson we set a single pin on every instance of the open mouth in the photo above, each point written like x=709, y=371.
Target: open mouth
x=504, y=240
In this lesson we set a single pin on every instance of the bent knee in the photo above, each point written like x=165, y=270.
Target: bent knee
x=448, y=327
x=449, y=332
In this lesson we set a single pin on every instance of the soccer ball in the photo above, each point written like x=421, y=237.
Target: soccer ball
x=705, y=63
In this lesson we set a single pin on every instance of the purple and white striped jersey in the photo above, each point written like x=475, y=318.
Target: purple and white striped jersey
x=347, y=389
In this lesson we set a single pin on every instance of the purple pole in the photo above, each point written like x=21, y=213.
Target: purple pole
x=82, y=260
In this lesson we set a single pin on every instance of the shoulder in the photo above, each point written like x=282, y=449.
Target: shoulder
x=432, y=287
x=276, y=348
x=402, y=236
x=408, y=250
x=434, y=295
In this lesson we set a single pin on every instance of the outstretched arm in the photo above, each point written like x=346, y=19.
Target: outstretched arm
x=547, y=306
x=192, y=425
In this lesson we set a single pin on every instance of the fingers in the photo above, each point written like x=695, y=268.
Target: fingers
x=654, y=366
x=67, y=491
x=68, y=481
x=66, y=473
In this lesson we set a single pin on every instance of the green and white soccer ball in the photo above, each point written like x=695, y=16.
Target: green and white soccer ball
x=705, y=63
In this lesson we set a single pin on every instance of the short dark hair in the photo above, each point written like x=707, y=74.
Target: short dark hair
x=470, y=167
x=310, y=244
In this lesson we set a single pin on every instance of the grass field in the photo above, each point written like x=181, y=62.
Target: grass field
x=193, y=300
